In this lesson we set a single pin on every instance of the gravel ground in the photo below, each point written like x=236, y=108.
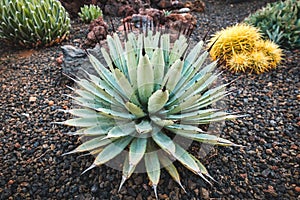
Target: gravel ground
x=31, y=147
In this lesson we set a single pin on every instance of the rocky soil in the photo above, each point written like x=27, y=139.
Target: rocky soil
x=31, y=147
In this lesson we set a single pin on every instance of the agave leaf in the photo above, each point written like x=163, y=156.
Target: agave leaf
x=153, y=169
x=121, y=58
x=217, y=119
x=133, y=40
x=203, y=170
x=173, y=75
x=114, y=51
x=171, y=169
x=91, y=104
x=104, y=86
x=84, y=94
x=126, y=86
x=158, y=62
x=213, y=91
x=216, y=116
x=207, y=138
x=192, y=56
x=193, y=115
x=107, y=59
x=212, y=116
x=157, y=100
x=143, y=127
x=185, y=158
x=206, y=102
x=161, y=122
x=91, y=152
x=112, y=150
x=134, y=109
x=191, y=71
x=97, y=92
x=84, y=113
x=206, y=85
x=127, y=171
x=96, y=130
x=165, y=45
x=121, y=130
x=199, y=88
x=145, y=78
x=137, y=150
x=183, y=93
x=200, y=76
x=184, y=128
x=132, y=62
x=84, y=122
x=86, y=98
x=178, y=48
x=90, y=145
x=105, y=74
x=148, y=44
x=139, y=46
x=115, y=114
x=155, y=40
x=207, y=69
x=185, y=104
x=164, y=142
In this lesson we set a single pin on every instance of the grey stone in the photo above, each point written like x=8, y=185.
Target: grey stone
x=76, y=61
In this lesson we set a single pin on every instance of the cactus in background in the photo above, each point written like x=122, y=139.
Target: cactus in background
x=89, y=13
x=241, y=49
x=240, y=38
x=238, y=62
x=280, y=22
x=33, y=23
x=271, y=51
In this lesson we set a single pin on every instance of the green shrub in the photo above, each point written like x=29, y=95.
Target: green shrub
x=280, y=22
x=89, y=13
x=144, y=97
x=33, y=23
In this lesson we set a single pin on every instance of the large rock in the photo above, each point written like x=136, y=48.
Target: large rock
x=76, y=61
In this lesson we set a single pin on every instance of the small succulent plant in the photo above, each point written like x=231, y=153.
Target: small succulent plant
x=280, y=22
x=271, y=51
x=33, y=23
x=167, y=12
x=240, y=38
x=146, y=95
x=241, y=48
x=89, y=12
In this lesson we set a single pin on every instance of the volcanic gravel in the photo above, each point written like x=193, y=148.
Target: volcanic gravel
x=31, y=147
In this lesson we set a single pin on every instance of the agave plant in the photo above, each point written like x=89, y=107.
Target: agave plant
x=145, y=95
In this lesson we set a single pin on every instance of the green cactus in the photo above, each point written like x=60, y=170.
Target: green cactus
x=89, y=13
x=33, y=23
x=280, y=22
x=148, y=93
